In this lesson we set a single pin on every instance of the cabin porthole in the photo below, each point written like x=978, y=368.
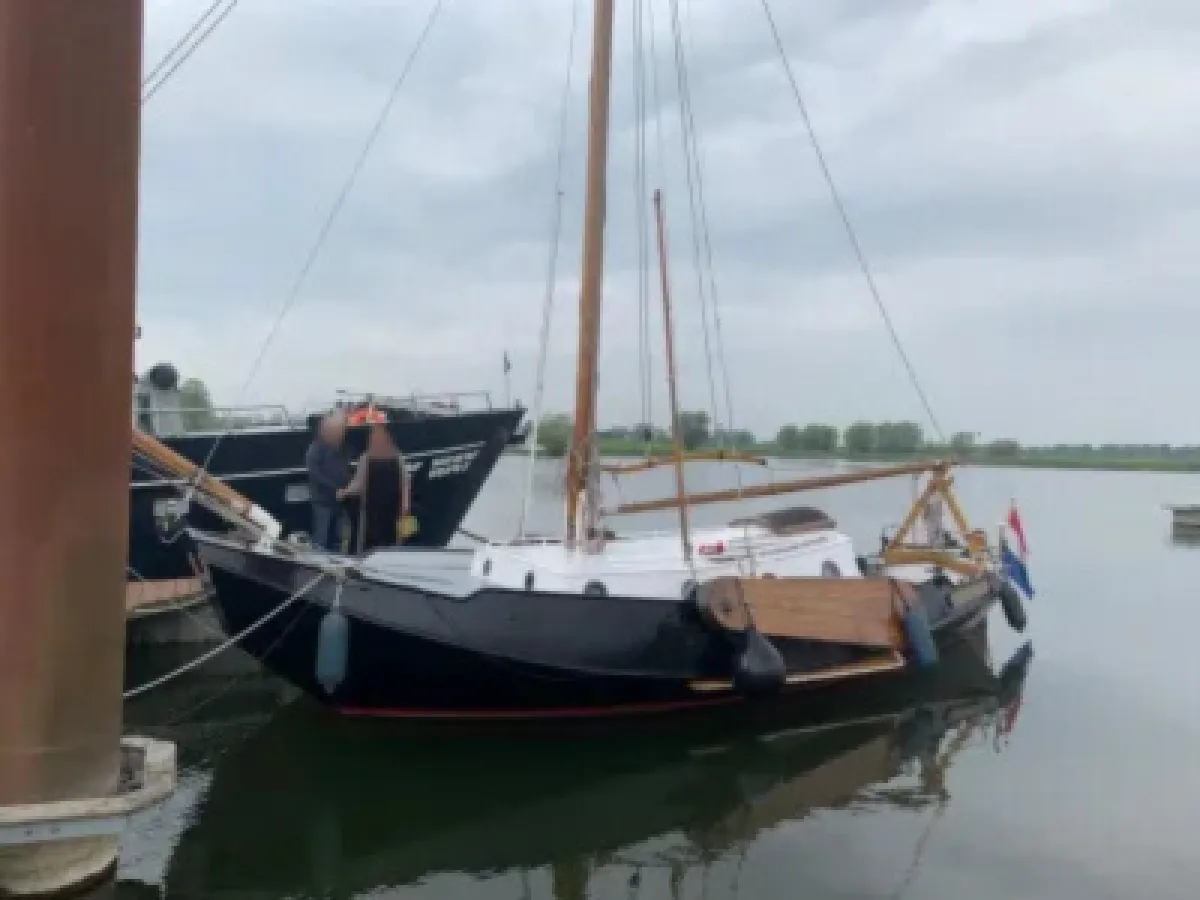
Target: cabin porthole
x=529, y=581
x=829, y=569
x=487, y=567
x=595, y=589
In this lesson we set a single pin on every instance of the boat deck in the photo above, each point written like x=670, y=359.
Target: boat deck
x=143, y=596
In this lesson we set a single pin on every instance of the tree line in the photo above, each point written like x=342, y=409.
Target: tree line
x=859, y=439
x=695, y=426
x=862, y=438
x=885, y=439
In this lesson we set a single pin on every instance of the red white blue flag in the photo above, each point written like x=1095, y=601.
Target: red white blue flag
x=1014, y=525
x=1014, y=562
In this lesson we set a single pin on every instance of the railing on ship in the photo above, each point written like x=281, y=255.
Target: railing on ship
x=444, y=403
x=168, y=421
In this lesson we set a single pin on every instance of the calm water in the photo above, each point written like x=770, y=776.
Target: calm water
x=1077, y=776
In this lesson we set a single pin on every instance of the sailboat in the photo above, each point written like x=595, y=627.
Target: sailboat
x=600, y=625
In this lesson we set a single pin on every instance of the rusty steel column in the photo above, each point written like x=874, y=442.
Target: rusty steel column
x=69, y=133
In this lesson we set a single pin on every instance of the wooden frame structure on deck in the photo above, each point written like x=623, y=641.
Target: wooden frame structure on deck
x=898, y=550
x=753, y=491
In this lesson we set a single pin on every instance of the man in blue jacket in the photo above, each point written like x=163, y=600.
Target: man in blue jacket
x=328, y=474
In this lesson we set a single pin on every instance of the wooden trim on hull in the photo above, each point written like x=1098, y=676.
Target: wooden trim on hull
x=719, y=693
x=891, y=662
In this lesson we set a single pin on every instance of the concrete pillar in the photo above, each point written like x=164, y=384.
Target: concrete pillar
x=69, y=131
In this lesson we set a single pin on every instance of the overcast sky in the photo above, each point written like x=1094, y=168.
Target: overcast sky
x=1022, y=174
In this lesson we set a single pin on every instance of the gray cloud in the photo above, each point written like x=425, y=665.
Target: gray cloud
x=1020, y=174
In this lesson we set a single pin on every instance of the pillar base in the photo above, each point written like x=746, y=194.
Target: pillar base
x=55, y=849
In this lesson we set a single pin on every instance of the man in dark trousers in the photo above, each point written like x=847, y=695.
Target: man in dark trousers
x=328, y=475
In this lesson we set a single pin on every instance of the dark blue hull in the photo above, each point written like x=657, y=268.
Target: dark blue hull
x=500, y=654
x=450, y=457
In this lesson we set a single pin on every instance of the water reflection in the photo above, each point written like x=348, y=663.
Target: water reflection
x=310, y=805
x=208, y=709
x=1185, y=535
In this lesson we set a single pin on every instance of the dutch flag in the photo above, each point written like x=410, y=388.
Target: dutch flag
x=1013, y=561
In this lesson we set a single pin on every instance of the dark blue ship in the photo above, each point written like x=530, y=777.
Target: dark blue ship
x=451, y=442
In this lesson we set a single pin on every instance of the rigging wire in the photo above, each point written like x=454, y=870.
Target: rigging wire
x=686, y=137
x=221, y=648
x=706, y=234
x=851, y=233
x=641, y=191
x=231, y=684
x=178, y=46
x=656, y=93
x=660, y=156
x=551, y=271
x=327, y=226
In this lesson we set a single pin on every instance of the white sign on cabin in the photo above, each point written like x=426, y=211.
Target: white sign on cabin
x=452, y=463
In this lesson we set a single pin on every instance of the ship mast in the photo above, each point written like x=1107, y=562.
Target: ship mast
x=669, y=337
x=582, y=468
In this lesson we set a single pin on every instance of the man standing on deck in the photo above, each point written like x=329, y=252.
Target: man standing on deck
x=328, y=475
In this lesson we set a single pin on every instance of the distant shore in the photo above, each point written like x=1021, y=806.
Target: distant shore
x=1026, y=460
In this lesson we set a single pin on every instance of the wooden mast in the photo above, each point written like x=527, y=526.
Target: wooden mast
x=581, y=468
x=669, y=337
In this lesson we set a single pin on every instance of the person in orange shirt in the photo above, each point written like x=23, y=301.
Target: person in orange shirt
x=366, y=415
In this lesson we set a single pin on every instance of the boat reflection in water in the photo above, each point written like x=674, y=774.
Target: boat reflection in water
x=311, y=805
